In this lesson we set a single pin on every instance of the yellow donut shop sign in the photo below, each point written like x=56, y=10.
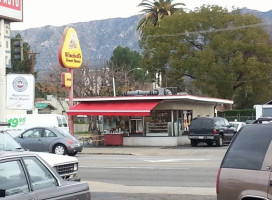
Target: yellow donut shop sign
x=70, y=54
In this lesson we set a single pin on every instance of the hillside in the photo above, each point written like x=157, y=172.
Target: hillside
x=98, y=38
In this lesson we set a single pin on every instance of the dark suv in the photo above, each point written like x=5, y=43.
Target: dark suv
x=210, y=130
x=245, y=172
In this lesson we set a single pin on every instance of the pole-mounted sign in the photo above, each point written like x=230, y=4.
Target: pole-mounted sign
x=70, y=56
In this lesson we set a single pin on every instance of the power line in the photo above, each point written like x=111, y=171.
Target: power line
x=210, y=31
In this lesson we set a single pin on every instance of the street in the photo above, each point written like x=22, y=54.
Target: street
x=188, y=173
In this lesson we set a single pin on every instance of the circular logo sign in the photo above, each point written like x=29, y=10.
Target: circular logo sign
x=20, y=84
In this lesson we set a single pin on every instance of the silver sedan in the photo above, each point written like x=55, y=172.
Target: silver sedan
x=49, y=139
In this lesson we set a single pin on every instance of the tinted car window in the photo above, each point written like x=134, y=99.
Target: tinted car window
x=196, y=123
x=48, y=133
x=12, y=178
x=207, y=123
x=33, y=133
x=248, y=149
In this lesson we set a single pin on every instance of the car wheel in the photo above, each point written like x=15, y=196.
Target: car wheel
x=219, y=141
x=59, y=149
x=194, y=143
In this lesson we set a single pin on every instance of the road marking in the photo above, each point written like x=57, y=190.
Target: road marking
x=176, y=160
x=128, y=167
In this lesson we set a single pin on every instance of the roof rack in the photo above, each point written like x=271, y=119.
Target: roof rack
x=4, y=124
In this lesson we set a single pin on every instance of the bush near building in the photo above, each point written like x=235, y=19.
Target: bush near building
x=239, y=115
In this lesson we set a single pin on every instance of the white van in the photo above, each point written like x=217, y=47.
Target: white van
x=19, y=123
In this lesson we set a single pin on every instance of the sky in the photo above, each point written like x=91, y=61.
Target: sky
x=38, y=13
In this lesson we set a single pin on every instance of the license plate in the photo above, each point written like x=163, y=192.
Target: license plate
x=201, y=137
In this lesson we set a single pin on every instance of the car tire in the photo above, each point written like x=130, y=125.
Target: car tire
x=219, y=141
x=60, y=149
x=194, y=143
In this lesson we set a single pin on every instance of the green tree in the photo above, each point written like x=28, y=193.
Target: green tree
x=223, y=54
x=154, y=11
x=26, y=64
x=124, y=66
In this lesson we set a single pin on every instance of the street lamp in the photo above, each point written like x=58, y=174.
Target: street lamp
x=113, y=80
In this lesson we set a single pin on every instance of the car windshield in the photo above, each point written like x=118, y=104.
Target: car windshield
x=7, y=143
x=234, y=125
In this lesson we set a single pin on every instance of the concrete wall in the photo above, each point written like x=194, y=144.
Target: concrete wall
x=199, y=109
x=156, y=141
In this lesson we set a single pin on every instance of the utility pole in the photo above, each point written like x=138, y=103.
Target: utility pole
x=32, y=55
x=2, y=72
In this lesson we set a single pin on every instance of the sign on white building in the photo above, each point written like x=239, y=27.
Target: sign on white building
x=20, y=91
x=11, y=10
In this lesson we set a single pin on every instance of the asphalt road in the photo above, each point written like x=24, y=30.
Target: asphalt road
x=190, y=174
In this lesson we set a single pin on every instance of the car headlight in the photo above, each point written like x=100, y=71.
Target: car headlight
x=75, y=166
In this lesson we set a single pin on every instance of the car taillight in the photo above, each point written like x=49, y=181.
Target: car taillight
x=70, y=142
x=217, y=181
x=214, y=131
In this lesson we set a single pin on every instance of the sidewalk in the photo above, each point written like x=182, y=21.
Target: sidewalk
x=123, y=150
x=150, y=151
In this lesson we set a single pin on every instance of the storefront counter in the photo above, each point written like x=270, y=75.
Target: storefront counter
x=113, y=139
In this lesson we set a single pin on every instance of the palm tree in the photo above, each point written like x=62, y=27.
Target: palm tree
x=156, y=10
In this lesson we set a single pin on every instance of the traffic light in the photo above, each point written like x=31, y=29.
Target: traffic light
x=18, y=50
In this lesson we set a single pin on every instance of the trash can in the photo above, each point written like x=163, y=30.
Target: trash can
x=113, y=139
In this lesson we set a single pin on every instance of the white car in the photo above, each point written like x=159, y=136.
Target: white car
x=66, y=166
x=237, y=125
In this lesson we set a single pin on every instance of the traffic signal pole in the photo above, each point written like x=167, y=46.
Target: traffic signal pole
x=2, y=72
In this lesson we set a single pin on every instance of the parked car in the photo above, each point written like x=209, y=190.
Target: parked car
x=210, y=130
x=263, y=120
x=25, y=175
x=66, y=166
x=237, y=125
x=49, y=139
x=245, y=171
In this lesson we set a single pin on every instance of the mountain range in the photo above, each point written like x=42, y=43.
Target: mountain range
x=97, y=38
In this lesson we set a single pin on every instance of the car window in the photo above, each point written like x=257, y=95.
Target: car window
x=234, y=125
x=60, y=123
x=207, y=123
x=12, y=178
x=248, y=149
x=226, y=122
x=7, y=143
x=62, y=132
x=64, y=121
x=196, y=123
x=40, y=176
x=49, y=133
x=218, y=122
x=33, y=133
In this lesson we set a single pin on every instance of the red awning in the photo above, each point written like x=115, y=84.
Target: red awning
x=114, y=108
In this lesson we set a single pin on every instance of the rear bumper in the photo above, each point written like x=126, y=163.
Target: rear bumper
x=74, y=149
x=203, y=137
